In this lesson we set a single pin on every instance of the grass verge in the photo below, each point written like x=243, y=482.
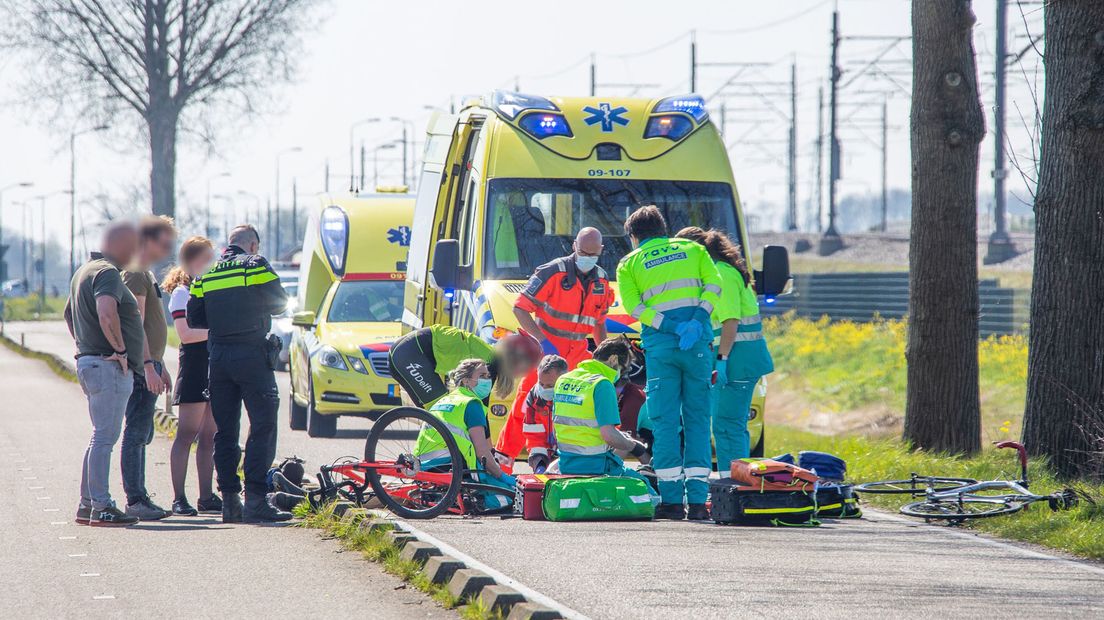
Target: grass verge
x=59, y=367
x=375, y=546
x=1079, y=531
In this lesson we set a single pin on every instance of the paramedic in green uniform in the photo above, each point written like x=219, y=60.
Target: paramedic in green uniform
x=585, y=416
x=671, y=286
x=742, y=356
x=463, y=412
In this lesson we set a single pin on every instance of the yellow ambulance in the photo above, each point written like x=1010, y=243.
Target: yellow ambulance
x=350, y=305
x=508, y=181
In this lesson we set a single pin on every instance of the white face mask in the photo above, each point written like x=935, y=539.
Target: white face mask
x=545, y=393
x=586, y=263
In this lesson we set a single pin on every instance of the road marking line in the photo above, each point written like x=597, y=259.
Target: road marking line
x=78, y=555
x=501, y=578
x=104, y=597
x=24, y=469
x=989, y=541
x=67, y=537
x=89, y=574
x=51, y=509
x=59, y=523
x=43, y=498
x=35, y=488
x=30, y=477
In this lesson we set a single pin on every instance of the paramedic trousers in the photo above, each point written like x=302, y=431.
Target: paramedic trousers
x=731, y=408
x=240, y=373
x=511, y=439
x=679, y=401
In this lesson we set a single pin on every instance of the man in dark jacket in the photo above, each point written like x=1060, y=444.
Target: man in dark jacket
x=235, y=302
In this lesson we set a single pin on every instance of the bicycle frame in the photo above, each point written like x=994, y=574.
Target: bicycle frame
x=355, y=472
x=1018, y=488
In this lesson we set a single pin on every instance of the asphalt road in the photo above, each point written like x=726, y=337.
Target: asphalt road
x=180, y=567
x=882, y=566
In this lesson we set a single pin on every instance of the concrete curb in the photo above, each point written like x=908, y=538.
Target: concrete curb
x=464, y=582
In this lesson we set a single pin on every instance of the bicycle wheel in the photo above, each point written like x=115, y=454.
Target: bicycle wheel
x=404, y=490
x=917, y=485
x=476, y=498
x=957, y=510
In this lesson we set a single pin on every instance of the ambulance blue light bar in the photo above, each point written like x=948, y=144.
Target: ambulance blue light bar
x=543, y=125
x=511, y=104
x=693, y=105
x=674, y=127
x=335, y=237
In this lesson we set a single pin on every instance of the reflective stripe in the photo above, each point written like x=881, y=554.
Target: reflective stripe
x=669, y=474
x=559, y=314
x=670, y=286
x=707, y=306
x=260, y=278
x=639, y=310
x=748, y=336
x=657, y=321
x=569, y=502
x=435, y=454
x=574, y=449
x=697, y=472
x=712, y=288
x=561, y=333
x=456, y=430
x=566, y=421
x=536, y=451
x=640, y=499
x=532, y=428
x=751, y=320
x=689, y=302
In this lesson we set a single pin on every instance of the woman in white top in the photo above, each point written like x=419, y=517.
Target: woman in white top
x=196, y=425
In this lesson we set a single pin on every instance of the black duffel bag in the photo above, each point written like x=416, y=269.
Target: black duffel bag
x=837, y=501
x=732, y=504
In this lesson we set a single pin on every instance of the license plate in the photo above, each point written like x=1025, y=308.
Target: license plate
x=392, y=390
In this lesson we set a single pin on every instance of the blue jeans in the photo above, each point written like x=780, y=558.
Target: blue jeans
x=137, y=434
x=107, y=388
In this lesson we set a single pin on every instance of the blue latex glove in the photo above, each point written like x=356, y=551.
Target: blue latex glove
x=689, y=333
x=721, y=368
x=548, y=348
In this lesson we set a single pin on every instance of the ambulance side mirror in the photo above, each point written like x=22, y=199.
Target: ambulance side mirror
x=446, y=264
x=774, y=278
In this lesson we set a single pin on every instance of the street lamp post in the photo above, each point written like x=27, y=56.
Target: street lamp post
x=405, y=123
x=73, y=194
x=41, y=198
x=208, y=231
x=287, y=151
x=375, y=161
x=3, y=253
x=255, y=214
x=352, y=149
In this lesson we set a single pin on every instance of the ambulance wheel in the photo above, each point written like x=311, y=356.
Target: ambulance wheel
x=297, y=415
x=397, y=479
x=319, y=425
x=757, y=451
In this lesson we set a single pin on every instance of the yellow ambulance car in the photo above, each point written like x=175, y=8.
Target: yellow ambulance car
x=508, y=181
x=350, y=306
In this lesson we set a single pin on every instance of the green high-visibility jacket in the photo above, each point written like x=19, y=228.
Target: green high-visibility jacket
x=574, y=418
x=449, y=409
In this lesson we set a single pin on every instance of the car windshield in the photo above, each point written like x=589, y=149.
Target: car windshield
x=367, y=301
x=533, y=221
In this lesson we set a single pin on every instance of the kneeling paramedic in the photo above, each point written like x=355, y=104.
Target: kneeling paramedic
x=671, y=286
x=463, y=412
x=585, y=416
x=235, y=302
x=421, y=359
x=536, y=411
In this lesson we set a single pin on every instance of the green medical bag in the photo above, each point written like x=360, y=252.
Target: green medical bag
x=594, y=499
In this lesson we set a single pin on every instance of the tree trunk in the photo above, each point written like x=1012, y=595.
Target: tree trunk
x=1064, y=417
x=162, y=133
x=942, y=411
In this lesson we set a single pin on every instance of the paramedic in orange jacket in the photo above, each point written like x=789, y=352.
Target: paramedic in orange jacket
x=565, y=301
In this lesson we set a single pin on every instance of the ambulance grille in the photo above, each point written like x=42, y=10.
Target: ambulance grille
x=379, y=364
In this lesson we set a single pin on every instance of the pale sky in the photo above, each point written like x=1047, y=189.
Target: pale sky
x=385, y=59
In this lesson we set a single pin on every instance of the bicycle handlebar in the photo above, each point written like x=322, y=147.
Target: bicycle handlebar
x=1019, y=449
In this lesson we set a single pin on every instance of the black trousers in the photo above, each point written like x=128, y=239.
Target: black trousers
x=240, y=373
x=414, y=368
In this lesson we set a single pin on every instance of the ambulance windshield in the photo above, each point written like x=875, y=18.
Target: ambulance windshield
x=533, y=221
x=367, y=301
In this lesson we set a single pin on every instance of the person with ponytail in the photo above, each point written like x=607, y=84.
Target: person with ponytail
x=196, y=425
x=742, y=355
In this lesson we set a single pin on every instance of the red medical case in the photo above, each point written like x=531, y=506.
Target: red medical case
x=530, y=493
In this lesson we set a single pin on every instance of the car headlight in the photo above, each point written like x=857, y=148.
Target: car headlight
x=330, y=358
x=358, y=365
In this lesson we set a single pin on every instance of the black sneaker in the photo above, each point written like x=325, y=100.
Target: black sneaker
x=232, y=508
x=146, y=510
x=258, y=510
x=84, y=514
x=697, y=512
x=111, y=517
x=182, y=508
x=670, y=512
x=210, y=504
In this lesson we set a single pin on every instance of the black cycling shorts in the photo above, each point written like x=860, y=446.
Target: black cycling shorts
x=414, y=367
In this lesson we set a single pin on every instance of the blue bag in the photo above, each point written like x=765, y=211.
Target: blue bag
x=827, y=466
x=784, y=458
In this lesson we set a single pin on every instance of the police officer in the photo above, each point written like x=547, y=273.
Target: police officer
x=564, y=301
x=235, y=302
x=671, y=286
